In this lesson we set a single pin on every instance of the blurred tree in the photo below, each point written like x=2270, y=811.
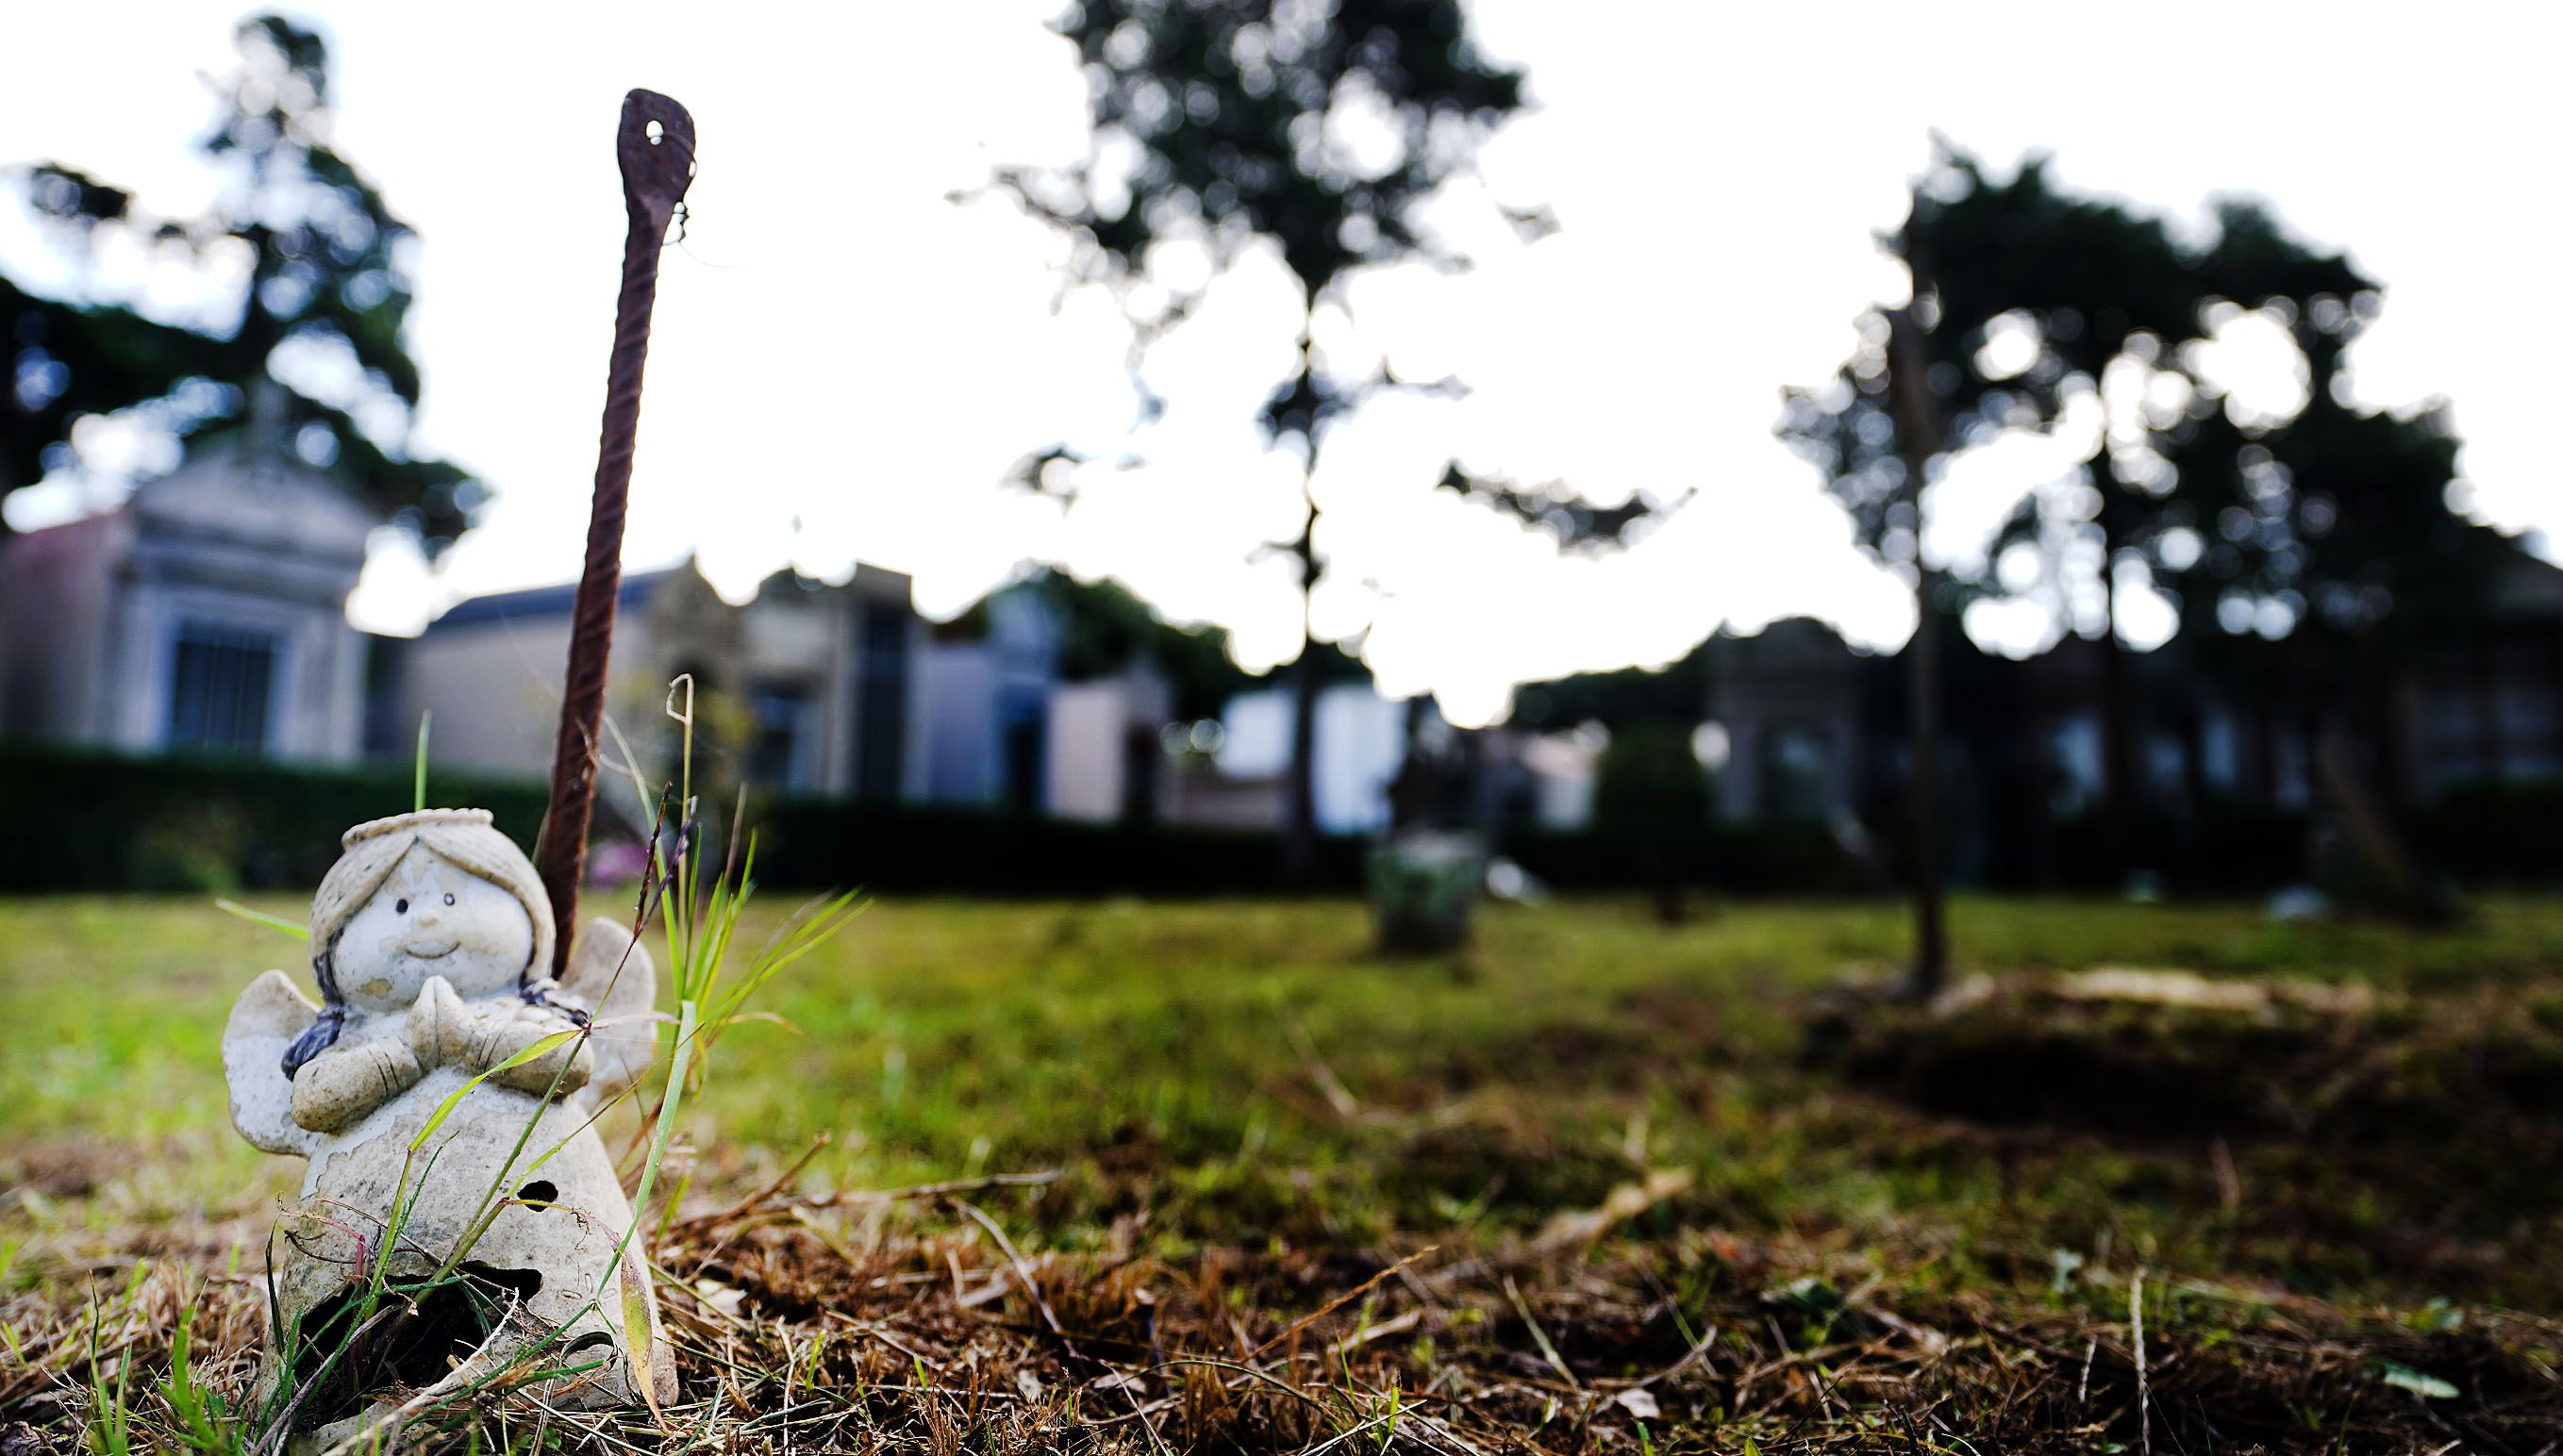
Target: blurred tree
x=2330, y=530
x=2338, y=518
x=1313, y=130
x=2040, y=310
x=1651, y=791
x=2086, y=284
x=309, y=274
x=1676, y=693
x=1110, y=629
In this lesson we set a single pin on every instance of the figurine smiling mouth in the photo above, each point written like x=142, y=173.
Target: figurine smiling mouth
x=416, y=953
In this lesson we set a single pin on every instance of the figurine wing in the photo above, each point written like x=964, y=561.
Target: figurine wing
x=613, y=975
x=265, y=1021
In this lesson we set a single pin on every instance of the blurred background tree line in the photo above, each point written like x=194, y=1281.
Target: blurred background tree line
x=2321, y=532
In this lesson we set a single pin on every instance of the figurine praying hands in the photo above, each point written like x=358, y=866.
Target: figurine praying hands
x=431, y=940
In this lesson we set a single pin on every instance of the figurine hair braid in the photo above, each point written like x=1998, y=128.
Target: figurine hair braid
x=321, y=1033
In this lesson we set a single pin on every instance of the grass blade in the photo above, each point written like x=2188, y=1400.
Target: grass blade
x=260, y=917
x=454, y=1098
x=417, y=795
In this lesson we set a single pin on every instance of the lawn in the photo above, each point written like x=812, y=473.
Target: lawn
x=1656, y=1189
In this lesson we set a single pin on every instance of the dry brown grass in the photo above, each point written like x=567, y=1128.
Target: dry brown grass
x=910, y=1323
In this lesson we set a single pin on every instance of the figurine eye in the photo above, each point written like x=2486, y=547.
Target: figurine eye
x=449, y=900
x=400, y=907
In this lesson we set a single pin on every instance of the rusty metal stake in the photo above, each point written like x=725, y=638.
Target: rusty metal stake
x=656, y=149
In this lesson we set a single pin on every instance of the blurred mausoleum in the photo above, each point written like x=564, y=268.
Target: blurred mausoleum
x=845, y=692
x=206, y=613
x=810, y=687
x=206, y=617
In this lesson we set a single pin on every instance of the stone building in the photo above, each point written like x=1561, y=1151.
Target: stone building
x=1010, y=730
x=839, y=691
x=806, y=688
x=207, y=615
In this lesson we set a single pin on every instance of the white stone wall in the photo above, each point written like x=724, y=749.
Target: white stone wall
x=1085, y=770
x=55, y=593
x=1361, y=742
x=95, y=607
x=495, y=689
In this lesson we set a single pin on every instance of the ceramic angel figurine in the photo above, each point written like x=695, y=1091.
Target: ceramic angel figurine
x=431, y=939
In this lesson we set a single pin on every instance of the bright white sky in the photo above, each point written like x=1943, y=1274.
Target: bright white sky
x=845, y=363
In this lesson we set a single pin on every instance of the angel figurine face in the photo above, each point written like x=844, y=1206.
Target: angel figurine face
x=433, y=894
x=431, y=916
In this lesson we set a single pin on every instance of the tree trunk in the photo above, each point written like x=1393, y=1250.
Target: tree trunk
x=1664, y=883
x=1299, y=832
x=1919, y=425
x=2117, y=709
x=1413, y=794
x=2193, y=762
x=2419, y=895
x=2264, y=744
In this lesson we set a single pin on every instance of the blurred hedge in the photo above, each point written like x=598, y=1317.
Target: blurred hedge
x=1744, y=860
x=2499, y=833
x=87, y=821
x=926, y=848
x=2230, y=849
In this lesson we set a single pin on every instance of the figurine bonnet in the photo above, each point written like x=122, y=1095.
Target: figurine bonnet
x=430, y=942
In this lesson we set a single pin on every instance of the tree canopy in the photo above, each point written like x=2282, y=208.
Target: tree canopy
x=2042, y=307
x=1106, y=629
x=310, y=281
x=1316, y=130
x=1676, y=693
x=1227, y=105
x=2336, y=518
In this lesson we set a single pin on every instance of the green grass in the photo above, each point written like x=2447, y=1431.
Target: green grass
x=1249, y=1076
x=941, y=1040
